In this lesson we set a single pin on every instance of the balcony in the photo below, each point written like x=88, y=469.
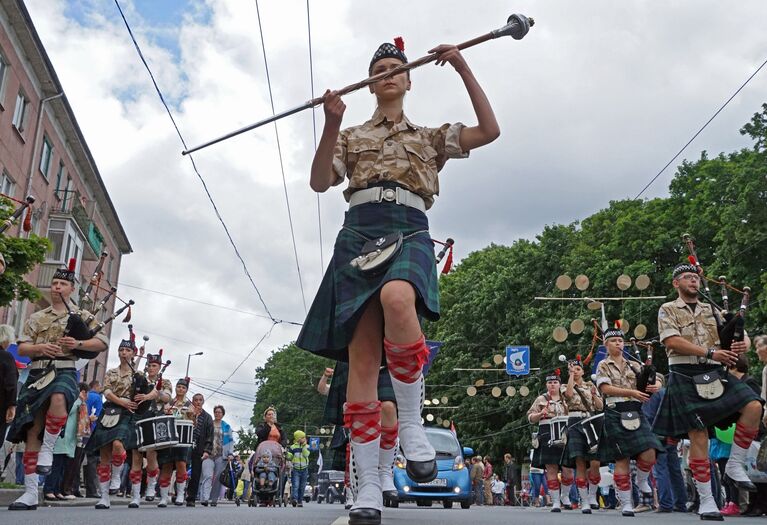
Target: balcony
x=69, y=207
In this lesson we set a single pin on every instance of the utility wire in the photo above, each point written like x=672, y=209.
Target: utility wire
x=194, y=166
x=314, y=125
x=701, y=129
x=279, y=152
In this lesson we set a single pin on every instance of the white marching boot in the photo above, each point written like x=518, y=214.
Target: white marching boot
x=151, y=488
x=115, y=481
x=555, y=501
x=565, y=496
x=180, y=493
x=583, y=494
x=707, y=509
x=420, y=454
x=593, y=502
x=28, y=500
x=45, y=457
x=366, y=483
x=135, y=501
x=627, y=505
x=104, y=500
x=386, y=472
x=164, y=497
x=735, y=469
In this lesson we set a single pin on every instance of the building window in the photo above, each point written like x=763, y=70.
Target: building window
x=67, y=243
x=7, y=186
x=59, y=178
x=45, y=157
x=20, y=112
x=3, y=73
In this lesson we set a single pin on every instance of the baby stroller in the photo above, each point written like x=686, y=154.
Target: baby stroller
x=230, y=476
x=270, y=494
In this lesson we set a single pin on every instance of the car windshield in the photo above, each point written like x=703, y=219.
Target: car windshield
x=444, y=443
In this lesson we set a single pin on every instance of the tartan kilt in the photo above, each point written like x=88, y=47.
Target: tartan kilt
x=345, y=291
x=546, y=454
x=616, y=442
x=338, y=448
x=334, y=406
x=173, y=454
x=683, y=410
x=577, y=446
x=31, y=401
x=124, y=431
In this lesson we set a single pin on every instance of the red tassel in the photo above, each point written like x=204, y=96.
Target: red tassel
x=160, y=354
x=72, y=264
x=448, y=261
x=28, y=220
x=558, y=371
x=578, y=357
x=692, y=260
x=127, y=317
x=400, y=43
x=618, y=324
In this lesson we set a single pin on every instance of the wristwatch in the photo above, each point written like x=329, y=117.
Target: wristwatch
x=703, y=359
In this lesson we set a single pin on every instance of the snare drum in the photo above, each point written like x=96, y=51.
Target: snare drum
x=156, y=433
x=592, y=428
x=184, y=430
x=558, y=431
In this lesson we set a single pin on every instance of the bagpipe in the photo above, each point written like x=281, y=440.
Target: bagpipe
x=26, y=205
x=730, y=325
x=648, y=373
x=81, y=330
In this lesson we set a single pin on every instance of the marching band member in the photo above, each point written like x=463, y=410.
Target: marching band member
x=582, y=400
x=700, y=393
x=158, y=397
x=392, y=166
x=547, y=454
x=176, y=457
x=115, y=431
x=626, y=434
x=51, y=388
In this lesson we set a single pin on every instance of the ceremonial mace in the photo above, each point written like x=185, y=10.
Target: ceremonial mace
x=517, y=26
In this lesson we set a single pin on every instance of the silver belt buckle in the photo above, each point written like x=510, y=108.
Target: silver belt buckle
x=389, y=195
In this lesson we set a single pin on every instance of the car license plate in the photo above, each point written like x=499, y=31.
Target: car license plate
x=439, y=482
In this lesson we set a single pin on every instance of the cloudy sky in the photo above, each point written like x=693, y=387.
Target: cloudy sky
x=592, y=103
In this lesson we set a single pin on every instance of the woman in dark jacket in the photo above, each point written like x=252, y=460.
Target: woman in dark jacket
x=270, y=429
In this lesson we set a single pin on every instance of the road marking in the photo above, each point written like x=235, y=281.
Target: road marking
x=342, y=520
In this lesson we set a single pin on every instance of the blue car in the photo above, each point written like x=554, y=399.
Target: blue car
x=452, y=482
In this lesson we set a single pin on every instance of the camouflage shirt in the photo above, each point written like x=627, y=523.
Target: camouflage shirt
x=698, y=327
x=555, y=407
x=181, y=410
x=400, y=152
x=166, y=388
x=47, y=326
x=581, y=392
x=610, y=372
x=118, y=382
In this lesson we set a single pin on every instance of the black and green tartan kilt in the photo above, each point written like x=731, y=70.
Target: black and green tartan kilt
x=31, y=401
x=345, y=291
x=546, y=454
x=124, y=431
x=338, y=448
x=334, y=405
x=577, y=446
x=174, y=454
x=682, y=409
x=616, y=442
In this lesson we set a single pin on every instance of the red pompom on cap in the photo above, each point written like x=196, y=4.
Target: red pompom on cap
x=72, y=264
x=400, y=43
x=692, y=260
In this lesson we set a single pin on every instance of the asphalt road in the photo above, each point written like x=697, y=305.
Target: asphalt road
x=314, y=513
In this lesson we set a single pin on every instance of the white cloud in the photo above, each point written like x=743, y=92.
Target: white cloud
x=591, y=103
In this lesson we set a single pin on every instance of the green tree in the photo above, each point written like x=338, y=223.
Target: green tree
x=21, y=256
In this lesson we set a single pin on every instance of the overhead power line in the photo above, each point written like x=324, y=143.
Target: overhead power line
x=701, y=130
x=194, y=166
x=314, y=124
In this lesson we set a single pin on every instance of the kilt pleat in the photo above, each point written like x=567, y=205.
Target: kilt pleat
x=334, y=405
x=577, y=446
x=546, y=454
x=31, y=401
x=616, y=442
x=124, y=431
x=345, y=291
x=682, y=409
x=173, y=454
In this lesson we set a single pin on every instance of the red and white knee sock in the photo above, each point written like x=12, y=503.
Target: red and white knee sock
x=741, y=442
x=53, y=426
x=135, y=481
x=118, y=460
x=701, y=473
x=553, y=485
x=594, y=479
x=180, y=486
x=623, y=488
x=567, y=483
x=364, y=422
x=583, y=492
x=29, y=497
x=405, y=363
x=643, y=474
x=386, y=455
x=104, y=471
x=164, y=491
x=151, y=482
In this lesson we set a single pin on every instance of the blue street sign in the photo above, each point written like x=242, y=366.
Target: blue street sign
x=314, y=443
x=517, y=360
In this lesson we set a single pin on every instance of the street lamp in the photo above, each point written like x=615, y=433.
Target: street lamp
x=188, y=357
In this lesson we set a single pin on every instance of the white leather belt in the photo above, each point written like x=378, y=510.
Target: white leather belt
x=42, y=363
x=397, y=195
x=689, y=360
x=577, y=414
x=617, y=399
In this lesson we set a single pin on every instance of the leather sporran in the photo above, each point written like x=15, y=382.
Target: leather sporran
x=631, y=420
x=377, y=254
x=110, y=416
x=44, y=380
x=535, y=441
x=709, y=385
